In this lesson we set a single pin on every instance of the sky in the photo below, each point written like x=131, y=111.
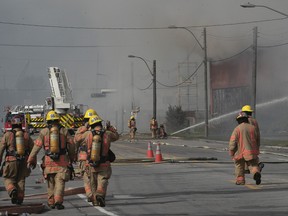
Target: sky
x=91, y=41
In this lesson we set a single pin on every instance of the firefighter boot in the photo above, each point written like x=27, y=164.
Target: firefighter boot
x=52, y=206
x=13, y=196
x=240, y=182
x=59, y=206
x=19, y=202
x=100, y=200
x=257, y=178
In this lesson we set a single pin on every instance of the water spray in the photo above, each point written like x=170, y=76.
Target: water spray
x=231, y=113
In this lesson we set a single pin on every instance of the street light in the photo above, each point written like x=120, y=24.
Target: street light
x=254, y=72
x=204, y=48
x=249, y=5
x=153, y=73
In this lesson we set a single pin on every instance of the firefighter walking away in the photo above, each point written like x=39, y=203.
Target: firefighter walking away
x=243, y=148
x=81, y=149
x=17, y=144
x=100, y=156
x=59, y=155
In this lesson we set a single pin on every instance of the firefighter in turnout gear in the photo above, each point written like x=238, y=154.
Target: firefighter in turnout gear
x=133, y=128
x=248, y=110
x=153, y=127
x=100, y=156
x=81, y=149
x=17, y=144
x=59, y=155
x=243, y=148
x=161, y=132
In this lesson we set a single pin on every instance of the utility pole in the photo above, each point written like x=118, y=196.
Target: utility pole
x=154, y=81
x=154, y=90
x=254, y=70
x=206, y=83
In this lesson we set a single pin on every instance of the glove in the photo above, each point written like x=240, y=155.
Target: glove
x=112, y=129
x=31, y=165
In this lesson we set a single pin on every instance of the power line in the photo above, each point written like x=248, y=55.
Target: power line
x=237, y=23
x=276, y=45
x=232, y=55
x=134, y=28
x=56, y=46
x=145, y=88
x=184, y=80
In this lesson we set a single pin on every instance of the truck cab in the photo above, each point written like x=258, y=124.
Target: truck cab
x=7, y=121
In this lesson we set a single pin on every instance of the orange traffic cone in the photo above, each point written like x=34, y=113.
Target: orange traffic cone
x=150, y=151
x=158, y=157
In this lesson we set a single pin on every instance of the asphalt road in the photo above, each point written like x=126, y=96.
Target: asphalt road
x=194, y=178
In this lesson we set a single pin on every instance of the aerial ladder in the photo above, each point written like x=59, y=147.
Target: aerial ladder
x=61, y=99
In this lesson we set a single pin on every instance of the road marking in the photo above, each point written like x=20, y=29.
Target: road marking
x=82, y=196
x=254, y=187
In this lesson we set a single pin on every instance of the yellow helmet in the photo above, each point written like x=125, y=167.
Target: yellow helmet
x=52, y=115
x=132, y=117
x=247, y=108
x=94, y=119
x=89, y=113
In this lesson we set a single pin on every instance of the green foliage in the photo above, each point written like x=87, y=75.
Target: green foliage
x=175, y=119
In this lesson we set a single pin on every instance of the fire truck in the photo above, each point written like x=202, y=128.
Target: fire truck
x=10, y=112
x=61, y=100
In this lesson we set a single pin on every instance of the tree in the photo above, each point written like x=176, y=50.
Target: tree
x=175, y=119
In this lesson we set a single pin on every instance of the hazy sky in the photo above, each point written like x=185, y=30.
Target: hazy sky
x=91, y=40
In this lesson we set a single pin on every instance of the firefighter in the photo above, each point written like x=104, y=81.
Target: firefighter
x=17, y=144
x=161, y=132
x=81, y=149
x=59, y=155
x=153, y=127
x=243, y=148
x=248, y=110
x=100, y=156
x=132, y=127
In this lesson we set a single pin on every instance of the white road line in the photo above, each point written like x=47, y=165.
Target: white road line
x=82, y=196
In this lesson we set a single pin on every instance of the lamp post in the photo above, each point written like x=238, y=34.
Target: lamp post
x=153, y=73
x=204, y=48
x=254, y=72
x=249, y=5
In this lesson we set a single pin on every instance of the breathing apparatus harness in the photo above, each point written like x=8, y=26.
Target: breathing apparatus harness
x=61, y=151
x=19, y=151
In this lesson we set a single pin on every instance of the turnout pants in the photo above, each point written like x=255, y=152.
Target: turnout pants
x=56, y=187
x=240, y=168
x=85, y=171
x=14, y=175
x=99, y=180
